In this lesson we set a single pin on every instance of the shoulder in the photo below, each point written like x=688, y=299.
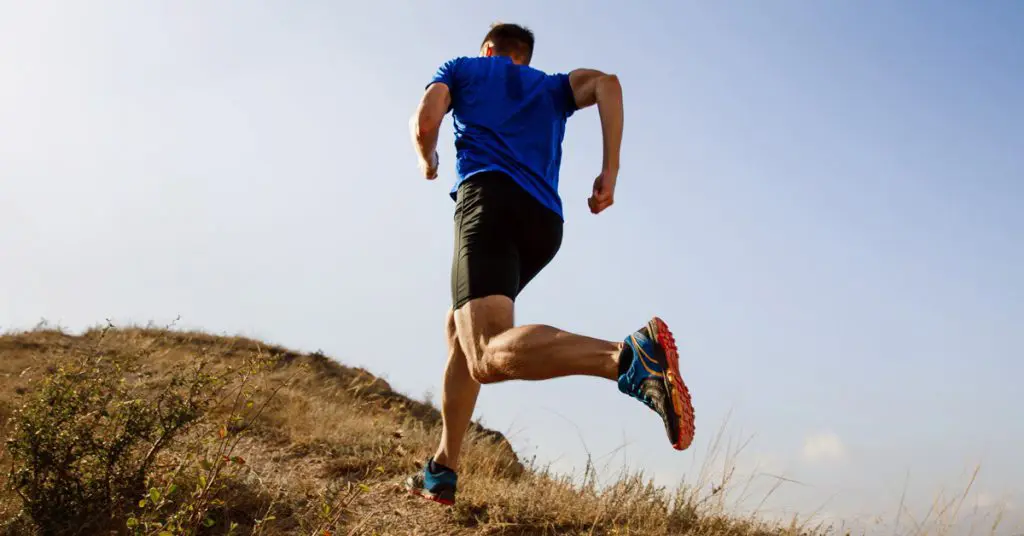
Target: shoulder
x=552, y=77
x=450, y=71
x=464, y=66
x=559, y=86
x=558, y=81
x=452, y=63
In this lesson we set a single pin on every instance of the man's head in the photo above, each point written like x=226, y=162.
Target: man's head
x=510, y=40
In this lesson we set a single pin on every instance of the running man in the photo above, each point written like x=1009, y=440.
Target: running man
x=509, y=123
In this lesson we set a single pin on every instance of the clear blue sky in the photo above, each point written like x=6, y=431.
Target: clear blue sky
x=825, y=198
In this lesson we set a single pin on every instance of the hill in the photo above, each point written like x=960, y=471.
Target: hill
x=157, y=431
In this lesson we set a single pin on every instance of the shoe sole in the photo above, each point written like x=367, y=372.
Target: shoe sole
x=429, y=496
x=680, y=395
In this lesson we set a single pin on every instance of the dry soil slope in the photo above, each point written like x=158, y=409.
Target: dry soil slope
x=333, y=426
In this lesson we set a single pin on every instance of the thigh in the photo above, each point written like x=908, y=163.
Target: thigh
x=538, y=243
x=485, y=261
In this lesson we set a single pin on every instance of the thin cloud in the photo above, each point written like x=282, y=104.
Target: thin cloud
x=825, y=446
x=993, y=501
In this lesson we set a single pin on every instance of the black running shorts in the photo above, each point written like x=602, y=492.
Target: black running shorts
x=503, y=238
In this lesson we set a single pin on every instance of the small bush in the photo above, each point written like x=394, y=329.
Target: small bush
x=82, y=444
x=209, y=479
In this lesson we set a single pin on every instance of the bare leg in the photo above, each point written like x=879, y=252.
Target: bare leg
x=497, y=351
x=458, y=399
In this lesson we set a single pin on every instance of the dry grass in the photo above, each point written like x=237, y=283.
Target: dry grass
x=338, y=436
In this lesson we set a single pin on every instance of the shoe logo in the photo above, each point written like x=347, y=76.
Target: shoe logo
x=645, y=358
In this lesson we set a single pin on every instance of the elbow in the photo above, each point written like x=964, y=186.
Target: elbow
x=609, y=82
x=607, y=89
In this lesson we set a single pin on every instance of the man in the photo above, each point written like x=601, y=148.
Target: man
x=509, y=123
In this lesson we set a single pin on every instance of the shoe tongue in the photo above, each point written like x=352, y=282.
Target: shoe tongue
x=643, y=336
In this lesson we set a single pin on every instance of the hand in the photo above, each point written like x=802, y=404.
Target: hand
x=429, y=168
x=604, y=192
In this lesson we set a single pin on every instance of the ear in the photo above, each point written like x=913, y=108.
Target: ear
x=488, y=50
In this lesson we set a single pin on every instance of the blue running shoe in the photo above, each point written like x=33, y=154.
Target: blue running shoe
x=435, y=482
x=653, y=378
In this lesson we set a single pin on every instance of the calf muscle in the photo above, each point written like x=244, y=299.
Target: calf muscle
x=496, y=351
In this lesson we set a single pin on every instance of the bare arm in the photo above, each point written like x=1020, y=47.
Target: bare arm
x=426, y=123
x=589, y=87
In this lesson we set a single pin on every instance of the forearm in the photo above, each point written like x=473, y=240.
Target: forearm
x=609, y=105
x=424, y=138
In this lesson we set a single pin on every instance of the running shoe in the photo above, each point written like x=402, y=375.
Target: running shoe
x=435, y=482
x=653, y=378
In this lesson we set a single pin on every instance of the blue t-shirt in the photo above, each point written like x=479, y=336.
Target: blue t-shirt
x=509, y=118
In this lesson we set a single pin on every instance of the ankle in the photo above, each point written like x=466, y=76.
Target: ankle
x=624, y=358
x=437, y=468
x=442, y=459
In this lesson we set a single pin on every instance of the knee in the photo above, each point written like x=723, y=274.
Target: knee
x=487, y=367
x=483, y=374
x=479, y=325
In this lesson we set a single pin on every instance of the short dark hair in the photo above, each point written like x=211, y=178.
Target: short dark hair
x=509, y=39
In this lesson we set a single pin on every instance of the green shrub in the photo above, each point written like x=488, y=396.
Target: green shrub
x=85, y=439
x=209, y=479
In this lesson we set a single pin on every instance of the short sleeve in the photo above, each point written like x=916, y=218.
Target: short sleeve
x=447, y=74
x=561, y=93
